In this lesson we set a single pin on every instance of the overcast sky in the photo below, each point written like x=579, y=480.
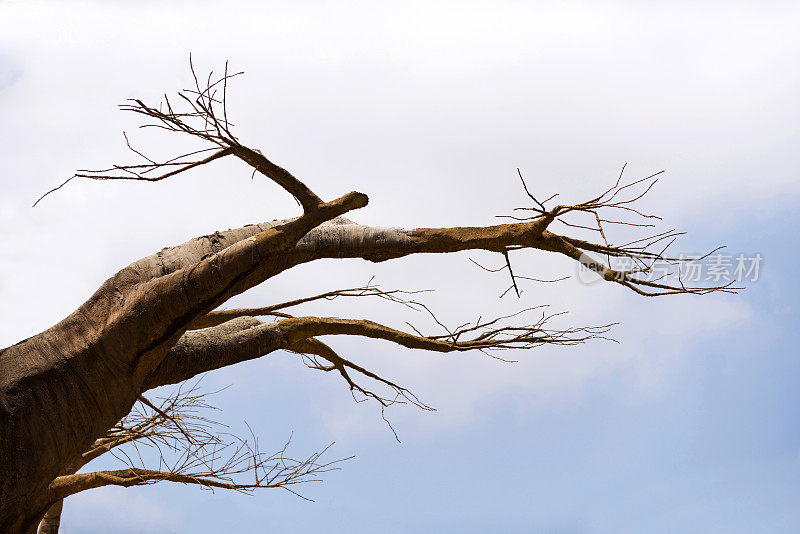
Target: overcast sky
x=689, y=424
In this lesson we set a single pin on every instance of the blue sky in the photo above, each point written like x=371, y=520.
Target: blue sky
x=689, y=424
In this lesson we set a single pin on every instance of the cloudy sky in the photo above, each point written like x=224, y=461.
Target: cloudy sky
x=689, y=424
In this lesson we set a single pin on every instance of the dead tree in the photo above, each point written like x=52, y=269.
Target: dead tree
x=63, y=389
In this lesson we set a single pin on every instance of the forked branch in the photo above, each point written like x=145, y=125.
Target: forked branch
x=199, y=116
x=616, y=206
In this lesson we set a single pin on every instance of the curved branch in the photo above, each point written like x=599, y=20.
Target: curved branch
x=509, y=337
x=310, y=348
x=342, y=238
x=247, y=338
x=284, y=473
x=65, y=486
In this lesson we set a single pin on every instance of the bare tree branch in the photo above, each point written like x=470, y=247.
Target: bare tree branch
x=218, y=317
x=200, y=120
x=640, y=251
x=246, y=338
x=191, y=449
x=276, y=471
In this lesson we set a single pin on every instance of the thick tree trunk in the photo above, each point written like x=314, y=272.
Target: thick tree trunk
x=63, y=388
